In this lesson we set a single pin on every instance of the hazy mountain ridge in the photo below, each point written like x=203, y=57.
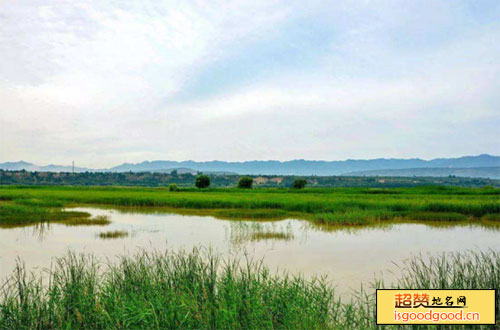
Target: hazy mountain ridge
x=312, y=167
x=183, y=170
x=22, y=165
x=472, y=172
x=272, y=167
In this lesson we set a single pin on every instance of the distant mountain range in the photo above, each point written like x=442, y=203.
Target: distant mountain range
x=472, y=172
x=22, y=165
x=471, y=166
x=183, y=170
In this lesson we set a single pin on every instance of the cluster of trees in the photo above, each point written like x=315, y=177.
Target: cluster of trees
x=177, y=180
x=244, y=182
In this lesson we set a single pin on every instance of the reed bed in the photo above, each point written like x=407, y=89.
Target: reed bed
x=243, y=232
x=437, y=216
x=23, y=214
x=471, y=270
x=200, y=290
x=326, y=206
x=100, y=220
x=252, y=214
x=354, y=217
x=492, y=217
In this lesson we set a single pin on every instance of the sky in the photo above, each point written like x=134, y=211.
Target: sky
x=107, y=82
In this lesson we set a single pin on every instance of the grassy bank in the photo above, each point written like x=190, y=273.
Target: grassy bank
x=27, y=211
x=16, y=213
x=199, y=290
x=343, y=206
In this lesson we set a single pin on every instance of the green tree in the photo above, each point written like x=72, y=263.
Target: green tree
x=299, y=183
x=173, y=187
x=202, y=181
x=245, y=182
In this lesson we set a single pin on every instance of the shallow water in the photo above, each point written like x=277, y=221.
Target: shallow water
x=350, y=257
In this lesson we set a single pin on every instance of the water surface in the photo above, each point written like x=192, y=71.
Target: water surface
x=349, y=256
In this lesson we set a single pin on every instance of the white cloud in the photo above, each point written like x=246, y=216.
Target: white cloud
x=92, y=81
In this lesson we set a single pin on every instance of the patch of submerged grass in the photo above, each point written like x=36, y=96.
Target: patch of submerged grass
x=113, y=234
x=100, y=220
x=252, y=214
x=271, y=235
x=201, y=291
x=339, y=219
x=243, y=232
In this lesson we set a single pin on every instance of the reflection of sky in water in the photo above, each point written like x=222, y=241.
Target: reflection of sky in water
x=349, y=257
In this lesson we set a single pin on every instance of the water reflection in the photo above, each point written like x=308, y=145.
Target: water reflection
x=349, y=255
x=241, y=233
x=114, y=234
x=100, y=217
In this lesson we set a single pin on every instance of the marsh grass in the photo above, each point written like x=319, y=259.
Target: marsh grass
x=113, y=234
x=354, y=216
x=100, y=220
x=340, y=219
x=251, y=214
x=24, y=211
x=244, y=232
x=22, y=214
x=437, y=216
x=469, y=270
x=38, y=202
x=343, y=206
x=491, y=217
x=271, y=235
x=200, y=290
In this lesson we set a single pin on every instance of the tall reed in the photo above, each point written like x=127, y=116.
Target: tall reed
x=200, y=290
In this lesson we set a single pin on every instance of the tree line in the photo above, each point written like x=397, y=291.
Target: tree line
x=149, y=179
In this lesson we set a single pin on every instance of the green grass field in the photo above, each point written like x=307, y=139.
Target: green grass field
x=334, y=206
x=341, y=205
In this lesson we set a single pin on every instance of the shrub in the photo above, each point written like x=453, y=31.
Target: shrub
x=299, y=183
x=202, y=181
x=245, y=182
x=173, y=187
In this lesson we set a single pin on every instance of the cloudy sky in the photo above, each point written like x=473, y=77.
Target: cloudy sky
x=107, y=82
